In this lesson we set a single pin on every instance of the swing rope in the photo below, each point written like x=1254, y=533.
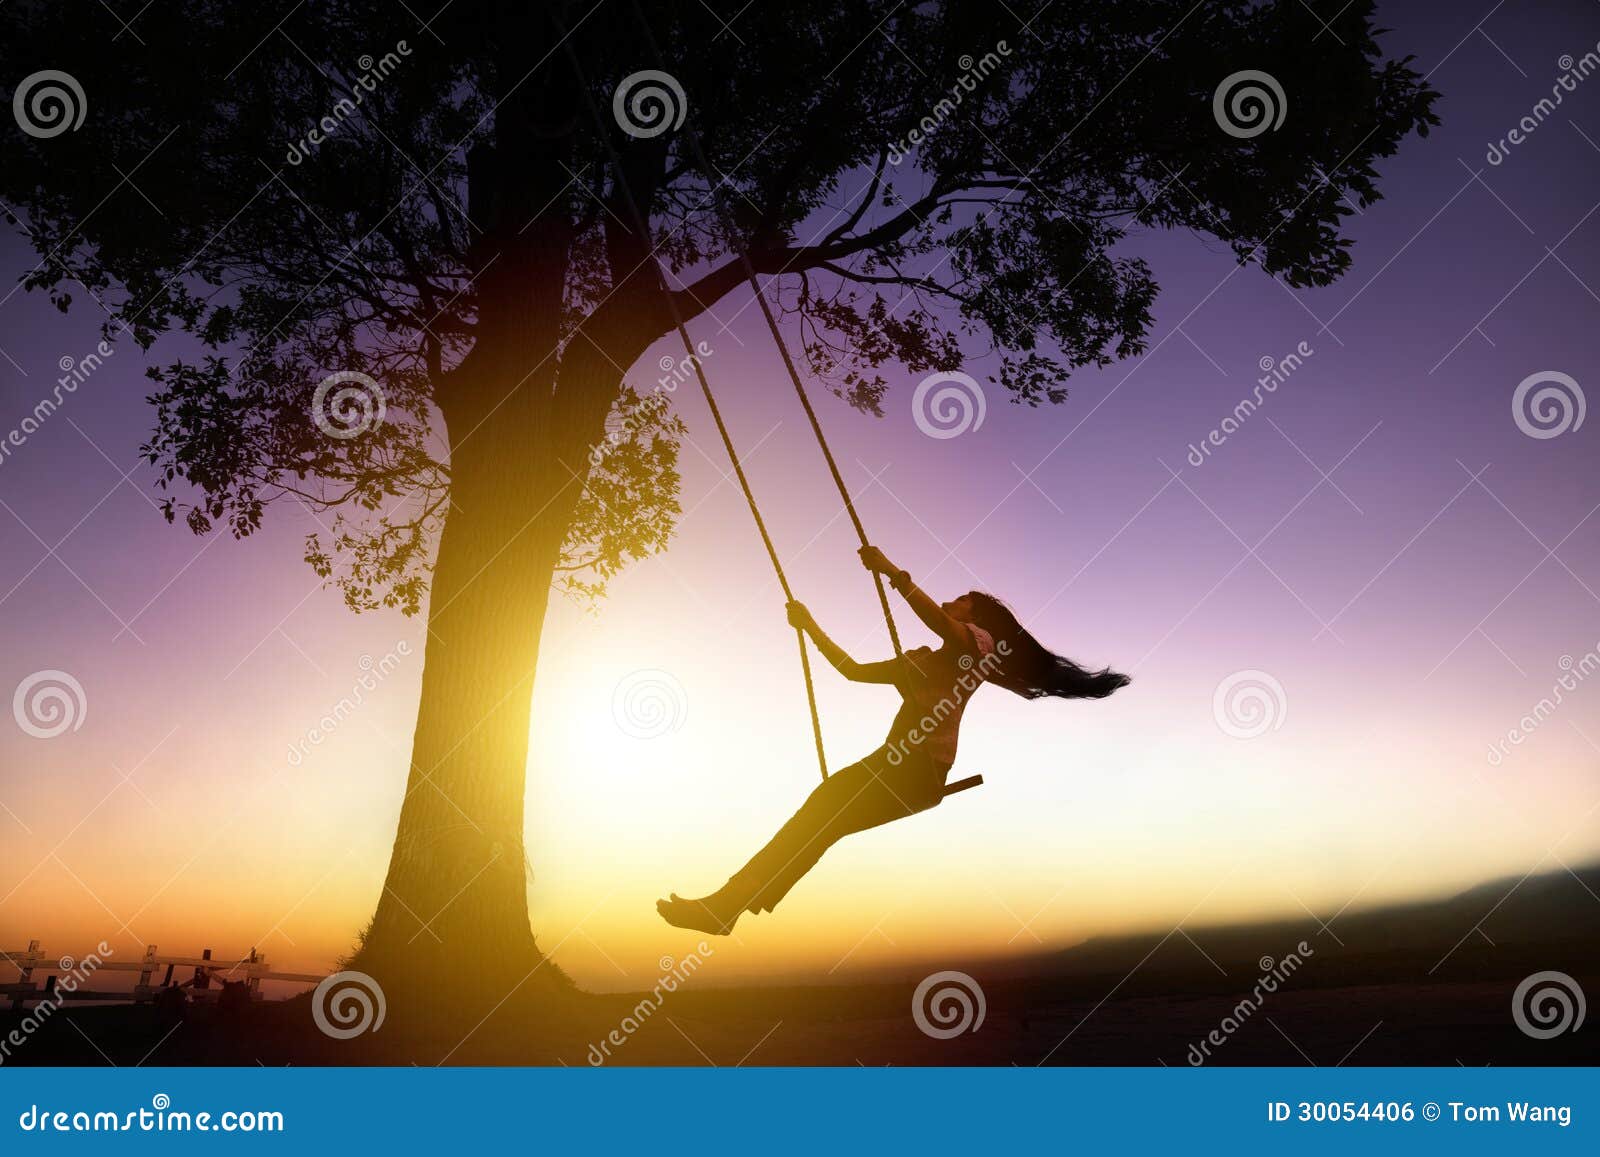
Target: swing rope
x=777, y=336
x=641, y=227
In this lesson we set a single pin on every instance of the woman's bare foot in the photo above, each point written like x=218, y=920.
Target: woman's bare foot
x=709, y=914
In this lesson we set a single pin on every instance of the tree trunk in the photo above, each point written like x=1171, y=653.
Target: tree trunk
x=455, y=900
x=522, y=413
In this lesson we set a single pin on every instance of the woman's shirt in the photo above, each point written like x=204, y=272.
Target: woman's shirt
x=935, y=687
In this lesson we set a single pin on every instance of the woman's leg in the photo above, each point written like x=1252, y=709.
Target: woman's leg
x=863, y=795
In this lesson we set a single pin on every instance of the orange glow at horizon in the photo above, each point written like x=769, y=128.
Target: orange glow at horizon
x=1097, y=818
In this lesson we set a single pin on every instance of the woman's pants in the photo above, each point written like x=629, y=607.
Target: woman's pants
x=853, y=799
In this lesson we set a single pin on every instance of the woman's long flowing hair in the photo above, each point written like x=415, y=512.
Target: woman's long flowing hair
x=1029, y=668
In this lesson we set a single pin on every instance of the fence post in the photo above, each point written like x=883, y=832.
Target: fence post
x=25, y=967
x=142, y=990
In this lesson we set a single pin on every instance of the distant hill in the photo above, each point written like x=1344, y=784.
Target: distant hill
x=1501, y=927
x=1423, y=983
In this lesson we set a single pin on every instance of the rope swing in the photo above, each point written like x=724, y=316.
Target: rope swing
x=641, y=226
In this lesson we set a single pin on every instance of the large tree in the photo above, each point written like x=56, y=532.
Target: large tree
x=438, y=217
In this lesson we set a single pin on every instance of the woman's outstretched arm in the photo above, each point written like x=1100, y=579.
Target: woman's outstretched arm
x=882, y=672
x=932, y=616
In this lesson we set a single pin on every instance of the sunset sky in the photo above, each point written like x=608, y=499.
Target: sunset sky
x=1381, y=538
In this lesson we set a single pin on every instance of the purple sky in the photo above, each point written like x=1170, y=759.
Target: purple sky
x=1380, y=537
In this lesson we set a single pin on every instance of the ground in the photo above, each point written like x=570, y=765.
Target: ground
x=1027, y=1022
x=1426, y=983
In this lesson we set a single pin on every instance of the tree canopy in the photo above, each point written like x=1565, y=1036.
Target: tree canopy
x=348, y=188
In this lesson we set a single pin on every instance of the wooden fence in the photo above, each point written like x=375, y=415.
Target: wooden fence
x=204, y=984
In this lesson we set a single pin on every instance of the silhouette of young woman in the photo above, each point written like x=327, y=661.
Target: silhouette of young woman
x=981, y=642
